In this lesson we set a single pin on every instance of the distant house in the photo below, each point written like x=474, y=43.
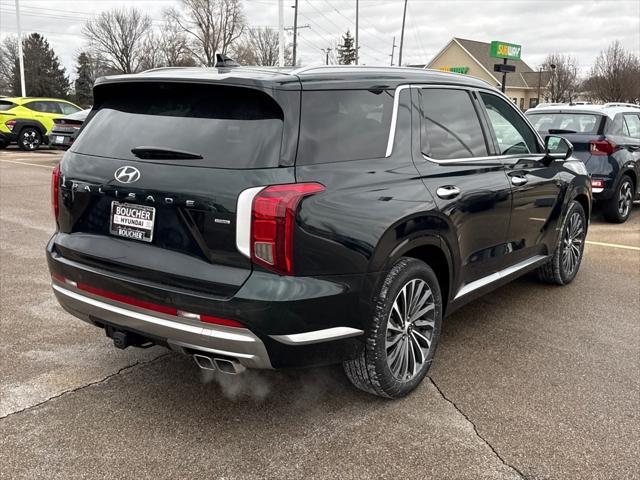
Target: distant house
x=471, y=57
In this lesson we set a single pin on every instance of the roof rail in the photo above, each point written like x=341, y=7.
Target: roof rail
x=159, y=69
x=621, y=104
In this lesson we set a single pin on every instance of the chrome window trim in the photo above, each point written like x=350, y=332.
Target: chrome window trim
x=479, y=159
x=489, y=279
x=394, y=118
x=243, y=219
x=317, y=336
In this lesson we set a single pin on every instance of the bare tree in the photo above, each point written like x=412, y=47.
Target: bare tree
x=8, y=60
x=260, y=46
x=211, y=25
x=175, y=47
x=118, y=36
x=564, y=77
x=615, y=76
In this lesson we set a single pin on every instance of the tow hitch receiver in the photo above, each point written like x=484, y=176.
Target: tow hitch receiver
x=123, y=339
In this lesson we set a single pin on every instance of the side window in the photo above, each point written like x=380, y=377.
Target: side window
x=53, y=107
x=67, y=108
x=633, y=124
x=512, y=132
x=451, y=128
x=36, y=106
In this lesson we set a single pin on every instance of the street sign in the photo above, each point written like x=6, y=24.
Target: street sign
x=505, y=50
x=503, y=68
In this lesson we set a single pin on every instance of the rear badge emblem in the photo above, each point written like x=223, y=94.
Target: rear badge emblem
x=127, y=174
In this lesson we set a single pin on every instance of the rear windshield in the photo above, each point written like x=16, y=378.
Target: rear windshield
x=229, y=127
x=6, y=105
x=571, y=122
x=339, y=125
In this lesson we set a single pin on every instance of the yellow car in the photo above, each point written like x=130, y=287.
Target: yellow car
x=28, y=120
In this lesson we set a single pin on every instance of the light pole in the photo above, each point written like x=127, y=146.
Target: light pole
x=404, y=17
x=295, y=32
x=357, y=51
x=20, y=56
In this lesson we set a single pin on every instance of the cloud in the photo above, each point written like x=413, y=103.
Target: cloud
x=579, y=28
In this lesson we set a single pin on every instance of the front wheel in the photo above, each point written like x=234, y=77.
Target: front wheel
x=29, y=139
x=618, y=208
x=567, y=257
x=404, y=333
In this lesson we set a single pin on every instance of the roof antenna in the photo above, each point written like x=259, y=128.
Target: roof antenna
x=224, y=61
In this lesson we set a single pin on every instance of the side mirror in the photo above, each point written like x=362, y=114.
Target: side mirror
x=558, y=148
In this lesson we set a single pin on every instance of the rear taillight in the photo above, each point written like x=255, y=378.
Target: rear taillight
x=601, y=147
x=597, y=183
x=55, y=191
x=10, y=124
x=273, y=214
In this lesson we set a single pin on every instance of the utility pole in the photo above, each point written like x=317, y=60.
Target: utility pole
x=295, y=32
x=539, y=82
x=20, y=55
x=357, y=48
x=404, y=17
x=393, y=49
x=280, y=32
x=326, y=52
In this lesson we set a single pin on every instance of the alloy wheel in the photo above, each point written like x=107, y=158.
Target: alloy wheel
x=30, y=139
x=573, y=237
x=410, y=329
x=625, y=199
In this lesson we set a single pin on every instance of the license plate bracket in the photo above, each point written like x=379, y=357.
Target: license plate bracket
x=132, y=221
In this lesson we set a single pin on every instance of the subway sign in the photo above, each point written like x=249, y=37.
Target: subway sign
x=463, y=70
x=505, y=50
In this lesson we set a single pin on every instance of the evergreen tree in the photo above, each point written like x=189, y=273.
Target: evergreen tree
x=84, y=82
x=44, y=76
x=347, y=51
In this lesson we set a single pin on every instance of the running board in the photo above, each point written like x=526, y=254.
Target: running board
x=494, y=277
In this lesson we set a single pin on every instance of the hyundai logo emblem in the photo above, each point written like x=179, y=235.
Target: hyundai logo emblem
x=127, y=174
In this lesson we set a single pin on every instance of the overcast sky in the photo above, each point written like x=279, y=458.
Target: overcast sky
x=579, y=28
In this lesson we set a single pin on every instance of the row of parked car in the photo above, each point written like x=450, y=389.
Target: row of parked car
x=31, y=122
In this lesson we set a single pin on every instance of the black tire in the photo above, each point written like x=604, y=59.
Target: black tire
x=561, y=270
x=3, y=144
x=29, y=139
x=371, y=371
x=618, y=208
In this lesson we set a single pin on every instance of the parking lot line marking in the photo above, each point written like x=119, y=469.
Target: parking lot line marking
x=613, y=245
x=26, y=163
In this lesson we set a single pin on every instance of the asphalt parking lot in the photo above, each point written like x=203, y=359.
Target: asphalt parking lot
x=533, y=381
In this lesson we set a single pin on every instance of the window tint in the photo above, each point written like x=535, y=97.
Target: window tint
x=339, y=125
x=512, y=132
x=6, y=105
x=67, y=108
x=633, y=124
x=451, y=128
x=572, y=122
x=44, y=106
x=230, y=127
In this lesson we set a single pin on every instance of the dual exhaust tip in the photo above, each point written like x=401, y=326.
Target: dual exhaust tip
x=224, y=365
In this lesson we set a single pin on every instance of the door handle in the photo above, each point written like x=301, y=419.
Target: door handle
x=448, y=192
x=518, y=180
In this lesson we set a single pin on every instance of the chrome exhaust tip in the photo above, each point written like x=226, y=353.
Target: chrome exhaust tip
x=203, y=361
x=231, y=367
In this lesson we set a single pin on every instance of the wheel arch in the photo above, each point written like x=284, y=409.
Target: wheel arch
x=22, y=123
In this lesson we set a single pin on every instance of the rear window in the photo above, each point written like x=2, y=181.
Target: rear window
x=571, y=122
x=6, y=105
x=229, y=127
x=339, y=125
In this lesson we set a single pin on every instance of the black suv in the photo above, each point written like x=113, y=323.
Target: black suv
x=263, y=219
x=607, y=139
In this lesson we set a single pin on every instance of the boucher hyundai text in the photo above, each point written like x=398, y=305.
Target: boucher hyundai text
x=263, y=219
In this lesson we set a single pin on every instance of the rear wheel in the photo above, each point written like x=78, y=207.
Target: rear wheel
x=565, y=262
x=29, y=138
x=618, y=208
x=404, y=334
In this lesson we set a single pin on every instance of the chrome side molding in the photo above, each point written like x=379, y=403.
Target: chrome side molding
x=484, y=281
x=317, y=336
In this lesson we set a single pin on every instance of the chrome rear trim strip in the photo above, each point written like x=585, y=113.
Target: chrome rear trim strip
x=318, y=336
x=243, y=220
x=597, y=190
x=484, y=281
x=216, y=333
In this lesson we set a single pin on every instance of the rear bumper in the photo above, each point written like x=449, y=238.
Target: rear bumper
x=67, y=139
x=8, y=137
x=290, y=321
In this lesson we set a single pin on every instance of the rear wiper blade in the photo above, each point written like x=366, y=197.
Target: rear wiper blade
x=159, y=153
x=560, y=131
